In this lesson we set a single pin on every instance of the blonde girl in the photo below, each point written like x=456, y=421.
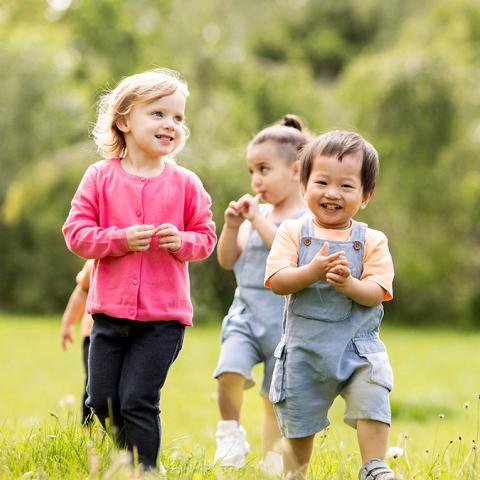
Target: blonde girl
x=142, y=218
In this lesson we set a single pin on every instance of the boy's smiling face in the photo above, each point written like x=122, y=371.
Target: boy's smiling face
x=334, y=191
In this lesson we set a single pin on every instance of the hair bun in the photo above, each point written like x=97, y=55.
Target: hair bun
x=293, y=121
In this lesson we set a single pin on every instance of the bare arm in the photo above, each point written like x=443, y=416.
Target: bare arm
x=73, y=311
x=364, y=292
x=291, y=280
x=228, y=247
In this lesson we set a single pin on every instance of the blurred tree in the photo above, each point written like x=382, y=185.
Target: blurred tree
x=403, y=73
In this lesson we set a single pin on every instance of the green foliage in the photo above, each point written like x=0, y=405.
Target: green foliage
x=403, y=73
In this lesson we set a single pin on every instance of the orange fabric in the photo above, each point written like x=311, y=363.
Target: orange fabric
x=377, y=261
x=83, y=279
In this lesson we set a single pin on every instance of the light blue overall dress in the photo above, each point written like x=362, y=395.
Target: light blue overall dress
x=253, y=325
x=330, y=346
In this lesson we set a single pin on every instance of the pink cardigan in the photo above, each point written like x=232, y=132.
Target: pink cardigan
x=150, y=285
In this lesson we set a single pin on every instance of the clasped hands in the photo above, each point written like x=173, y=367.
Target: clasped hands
x=139, y=237
x=331, y=268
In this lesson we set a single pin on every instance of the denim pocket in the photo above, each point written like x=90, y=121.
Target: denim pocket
x=322, y=302
x=277, y=388
x=373, y=350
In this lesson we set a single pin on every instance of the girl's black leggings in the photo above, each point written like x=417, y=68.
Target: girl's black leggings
x=127, y=366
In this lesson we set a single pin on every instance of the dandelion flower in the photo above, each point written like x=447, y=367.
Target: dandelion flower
x=394, y=452
x=67, y=401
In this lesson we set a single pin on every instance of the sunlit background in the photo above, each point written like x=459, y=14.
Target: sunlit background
x=403, y=73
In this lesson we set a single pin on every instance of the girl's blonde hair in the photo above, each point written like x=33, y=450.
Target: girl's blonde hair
x=139, y=88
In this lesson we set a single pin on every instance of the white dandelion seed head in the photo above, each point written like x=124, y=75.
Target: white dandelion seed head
x=394, y=452
x=67, y=401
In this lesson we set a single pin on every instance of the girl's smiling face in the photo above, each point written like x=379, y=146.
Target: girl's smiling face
x=272, y=177
x=334, y=191
x=155, y=129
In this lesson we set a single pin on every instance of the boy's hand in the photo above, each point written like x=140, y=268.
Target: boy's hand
x=233, y=216
x=249, y=206
x=139, y=237
x=66, y=336
x=323, y=263
x=168, y=237
x=339, y=277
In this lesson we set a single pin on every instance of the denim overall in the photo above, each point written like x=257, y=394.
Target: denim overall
x=253, y=326
x=330, y=346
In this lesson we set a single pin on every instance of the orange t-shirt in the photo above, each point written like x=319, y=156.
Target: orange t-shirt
x=83, y=280
x=377, y=261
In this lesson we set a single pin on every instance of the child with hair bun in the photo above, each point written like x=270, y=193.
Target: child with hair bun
x=253, y=325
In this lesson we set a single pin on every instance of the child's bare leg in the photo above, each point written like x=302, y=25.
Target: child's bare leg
x=230, y=395
x=271, y=435
x=296, y=456
x=372, y=439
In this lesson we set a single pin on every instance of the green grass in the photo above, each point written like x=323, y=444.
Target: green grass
x=436, y=374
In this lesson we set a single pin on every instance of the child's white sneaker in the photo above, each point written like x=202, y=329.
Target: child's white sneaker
x=272, y=464
x=232, y=445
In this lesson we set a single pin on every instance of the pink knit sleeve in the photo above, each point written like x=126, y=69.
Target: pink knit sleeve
x=82, y=233
x=198, y=237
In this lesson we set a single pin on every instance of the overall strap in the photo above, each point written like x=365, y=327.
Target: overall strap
x=359, y=230
x=307, y=226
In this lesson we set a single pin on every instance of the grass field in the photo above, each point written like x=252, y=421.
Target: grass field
x=435, y=410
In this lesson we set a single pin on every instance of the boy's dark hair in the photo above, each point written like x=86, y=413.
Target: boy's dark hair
x=289, y=133
x=337, y=144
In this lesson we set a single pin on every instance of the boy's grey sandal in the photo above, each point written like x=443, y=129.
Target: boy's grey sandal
x=376, y=469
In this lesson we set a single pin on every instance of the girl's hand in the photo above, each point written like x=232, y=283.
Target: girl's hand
x=249, y=206
x=323, y=263
x=339, y=277
x=66, y=335
x=233, y=216
x=169, y=237
x=139, y=237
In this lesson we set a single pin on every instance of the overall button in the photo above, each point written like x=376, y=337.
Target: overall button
x=357, y=245
x=135, y=281
x=307, y=241
x=139, y=213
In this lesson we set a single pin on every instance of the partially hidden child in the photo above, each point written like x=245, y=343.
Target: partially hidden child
x=253, y=325
x=75, y=310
